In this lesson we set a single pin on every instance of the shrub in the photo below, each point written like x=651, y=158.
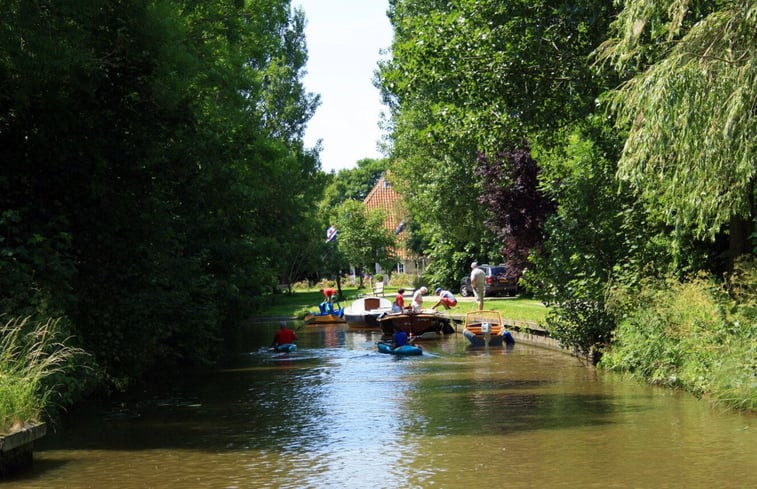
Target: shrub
x=402, y=280
x=301, y=285
x=691, y=335
x=324, y=283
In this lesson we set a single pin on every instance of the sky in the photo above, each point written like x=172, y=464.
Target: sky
x=344, y=39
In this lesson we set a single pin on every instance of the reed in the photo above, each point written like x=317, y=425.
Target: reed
x=30, y=352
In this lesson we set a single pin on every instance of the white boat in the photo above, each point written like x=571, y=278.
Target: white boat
x=364, y=312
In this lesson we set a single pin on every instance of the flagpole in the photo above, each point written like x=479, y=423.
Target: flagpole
x=331, y=234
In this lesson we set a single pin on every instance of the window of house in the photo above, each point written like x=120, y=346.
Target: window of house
x=400, y=268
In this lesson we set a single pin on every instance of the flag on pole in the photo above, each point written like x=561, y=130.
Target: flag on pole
x=331, y=234
x=400, y=228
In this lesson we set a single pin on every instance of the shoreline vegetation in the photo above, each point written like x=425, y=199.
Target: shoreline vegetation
x=31, y=353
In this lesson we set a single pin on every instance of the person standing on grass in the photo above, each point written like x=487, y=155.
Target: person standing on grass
x=478, y=284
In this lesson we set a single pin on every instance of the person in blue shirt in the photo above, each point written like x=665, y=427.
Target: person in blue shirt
x=399, y=338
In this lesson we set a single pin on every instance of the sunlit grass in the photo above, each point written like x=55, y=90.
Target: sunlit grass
x=29, y=353
x=302, y=301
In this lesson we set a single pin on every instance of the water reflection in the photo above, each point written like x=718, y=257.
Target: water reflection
x=336, y=413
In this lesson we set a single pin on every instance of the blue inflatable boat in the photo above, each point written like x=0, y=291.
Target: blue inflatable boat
x=406, y=350
x=285, y=347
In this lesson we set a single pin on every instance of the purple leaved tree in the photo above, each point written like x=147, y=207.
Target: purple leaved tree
x=517, y=208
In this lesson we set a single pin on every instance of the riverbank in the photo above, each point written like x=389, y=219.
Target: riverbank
x=295, y=306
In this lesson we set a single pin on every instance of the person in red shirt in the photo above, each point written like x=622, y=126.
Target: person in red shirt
x=284, y=335
x=399, y=301
x=329, y=294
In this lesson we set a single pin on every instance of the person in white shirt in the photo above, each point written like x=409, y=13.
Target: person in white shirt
x=417, y=303
x=478, y=284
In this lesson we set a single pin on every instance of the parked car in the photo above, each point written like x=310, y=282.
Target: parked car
x=498, y=282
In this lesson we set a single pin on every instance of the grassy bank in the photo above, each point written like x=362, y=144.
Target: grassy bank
x=303, y=301
x=695, y=335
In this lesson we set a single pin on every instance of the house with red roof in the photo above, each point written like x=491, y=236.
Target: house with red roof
x=384, y=197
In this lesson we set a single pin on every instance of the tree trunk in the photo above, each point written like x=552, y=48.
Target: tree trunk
x=741, y=229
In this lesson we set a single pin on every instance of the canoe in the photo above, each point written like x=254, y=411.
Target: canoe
x=486, y=328
x=364, y=312
x=406, y=350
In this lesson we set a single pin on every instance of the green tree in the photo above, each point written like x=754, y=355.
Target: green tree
x=689, y=107
x=475, y=77
x=594, y=237
x=352, y=183
x=363, y=239
x=152, y=165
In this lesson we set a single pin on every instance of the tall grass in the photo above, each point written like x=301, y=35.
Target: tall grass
x=30, y=352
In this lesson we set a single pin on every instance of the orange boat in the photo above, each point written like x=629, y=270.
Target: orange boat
x=486, y=328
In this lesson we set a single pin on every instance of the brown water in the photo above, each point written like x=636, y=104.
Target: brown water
x=337, y=414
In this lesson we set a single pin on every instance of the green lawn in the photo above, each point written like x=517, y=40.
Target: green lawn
x=297, y=304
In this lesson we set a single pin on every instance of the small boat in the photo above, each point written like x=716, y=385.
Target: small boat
x=485, y=328
x=285, y=347
x=407, y=350
x=364, y=312
x=318, y=318
x=328, y=314
x=414, y=323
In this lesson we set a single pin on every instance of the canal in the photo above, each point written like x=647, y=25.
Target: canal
x=338, y=414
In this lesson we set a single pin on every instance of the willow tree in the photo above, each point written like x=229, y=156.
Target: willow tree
x=691, y=111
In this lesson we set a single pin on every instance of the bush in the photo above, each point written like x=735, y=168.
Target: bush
x=402, y=280
x=692, y=335
x=419, y=282
x=301, y=285
x=324, y=283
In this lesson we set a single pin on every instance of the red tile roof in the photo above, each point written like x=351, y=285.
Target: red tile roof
x=384, y=197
